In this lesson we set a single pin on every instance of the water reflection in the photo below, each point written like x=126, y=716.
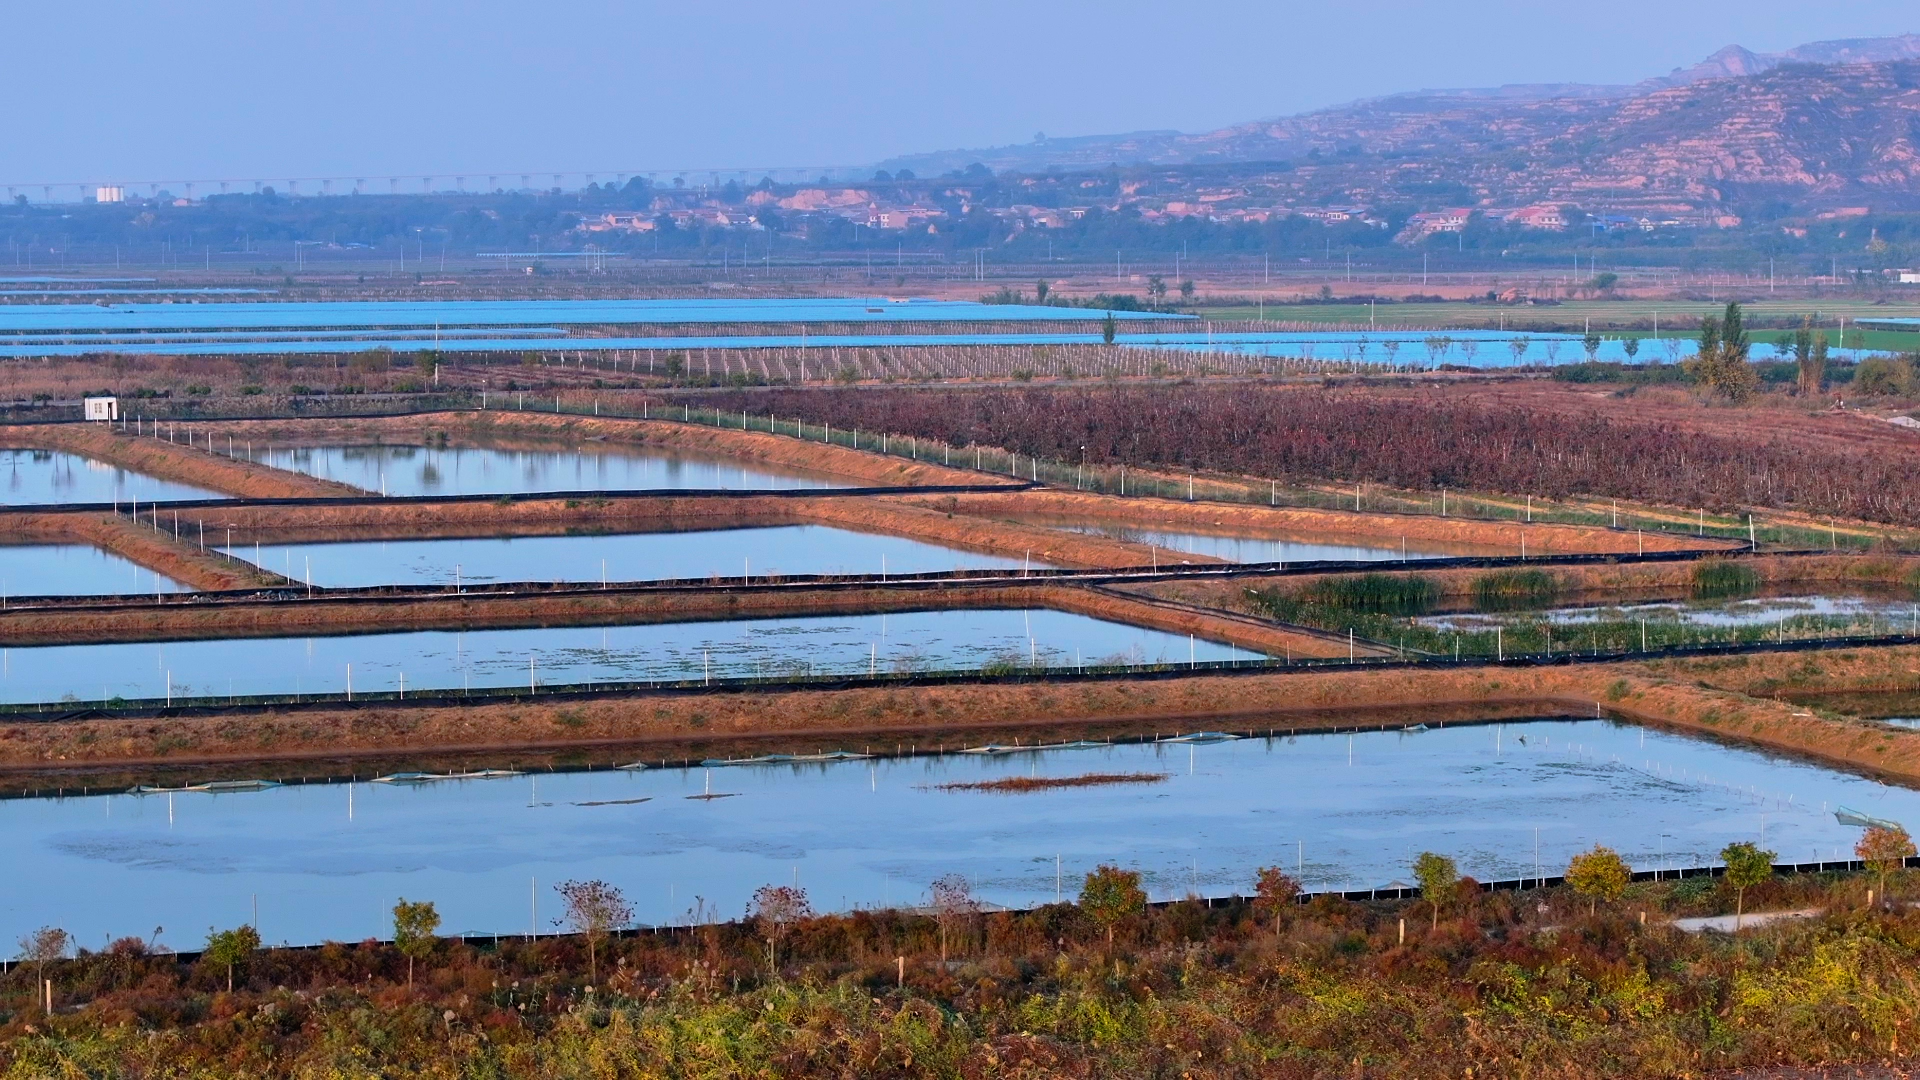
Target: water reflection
x=1341, y=811
x=74, y=570
x=551, y=656
x=420, y=470
x=728, y=553
x=43, y=477
x=1246, y=549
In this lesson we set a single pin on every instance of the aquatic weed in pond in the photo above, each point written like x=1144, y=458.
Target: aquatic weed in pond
x=1020, y=785
x=1515, y=590
x=1719, y=579
x=1379, y=594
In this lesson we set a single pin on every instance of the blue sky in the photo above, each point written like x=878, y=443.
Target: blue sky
x=112, y=89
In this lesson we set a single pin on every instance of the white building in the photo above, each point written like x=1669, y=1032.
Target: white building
x=102, y=408
x=109, y=193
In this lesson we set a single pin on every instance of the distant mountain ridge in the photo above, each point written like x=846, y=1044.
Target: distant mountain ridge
x=1454, y=112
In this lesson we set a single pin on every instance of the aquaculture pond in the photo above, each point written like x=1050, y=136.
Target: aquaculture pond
x=48, y=477
x=74, y=570
x=549, y=656
x=1246, y=549
x=1681, y=621
x=721, y=553
x=1340, y=811
x=1515, y=611
x=476, y=470
x=369, y=314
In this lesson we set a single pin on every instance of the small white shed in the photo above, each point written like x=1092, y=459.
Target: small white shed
x=102, y=408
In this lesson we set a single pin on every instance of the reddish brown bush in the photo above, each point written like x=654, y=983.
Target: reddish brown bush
x=1311, y=434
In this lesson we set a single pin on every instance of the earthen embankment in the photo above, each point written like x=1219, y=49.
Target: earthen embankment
x=206, y=618
x=1703, y=698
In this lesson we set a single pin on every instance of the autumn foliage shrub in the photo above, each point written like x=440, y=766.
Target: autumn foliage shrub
x=1506, y=985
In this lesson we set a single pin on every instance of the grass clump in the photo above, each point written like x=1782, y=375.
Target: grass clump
x=1338, y=600
x=1375, y=594
x=1720, y=579
x=1515, y=590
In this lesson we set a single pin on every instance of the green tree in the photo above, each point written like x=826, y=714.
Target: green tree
x=230, y=948
x=594, y=909
x=1591, y=343
x=1631, y=346
x=413, y=927
x=1721, y=364
x=1883, y=850
x=1883, y=375
x=1604, y=282
x=1438, y=877
x=1598, y=874
x=1109, y=326
x=1111, y=895
x=1186, y=289
x=1810, y=357
x=1040, y=291
x=1276, y=893
x=1747, y=866
x=1156, y=289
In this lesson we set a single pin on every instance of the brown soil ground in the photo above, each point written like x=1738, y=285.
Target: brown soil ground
x=1804, y=422
x=1446, y=534
x=107, y=621
x=157, y=550
x=1711, y=698
x=557, y=515
x=698, y=746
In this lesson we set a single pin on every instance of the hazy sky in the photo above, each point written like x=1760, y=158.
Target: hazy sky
x=120, y=90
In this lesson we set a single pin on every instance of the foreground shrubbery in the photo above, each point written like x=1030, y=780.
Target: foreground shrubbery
x=1404, y=442
x=1508, y=984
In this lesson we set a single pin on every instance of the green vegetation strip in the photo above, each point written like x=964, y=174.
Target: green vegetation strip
x=1385, y=609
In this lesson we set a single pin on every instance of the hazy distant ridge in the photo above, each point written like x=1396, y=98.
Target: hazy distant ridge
x=1281, y=138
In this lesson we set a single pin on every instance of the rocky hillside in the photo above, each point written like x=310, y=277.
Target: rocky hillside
x=1738, y=127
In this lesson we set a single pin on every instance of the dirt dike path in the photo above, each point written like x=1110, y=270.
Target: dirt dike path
x=557, y=515
x=545, y=431
x=165, y=460
x=156, y=550
x=174, y=620
x=1450, y=535
x=1316, y=699
x=1626, y=580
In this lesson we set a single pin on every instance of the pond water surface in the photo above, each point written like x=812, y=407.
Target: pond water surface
x=1246, y=549
x=47, y=477
x=1883, y=613
x=74, y=570
x=1341, y=811
x=725, y=553
x=551, y=656
x=419, y=470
